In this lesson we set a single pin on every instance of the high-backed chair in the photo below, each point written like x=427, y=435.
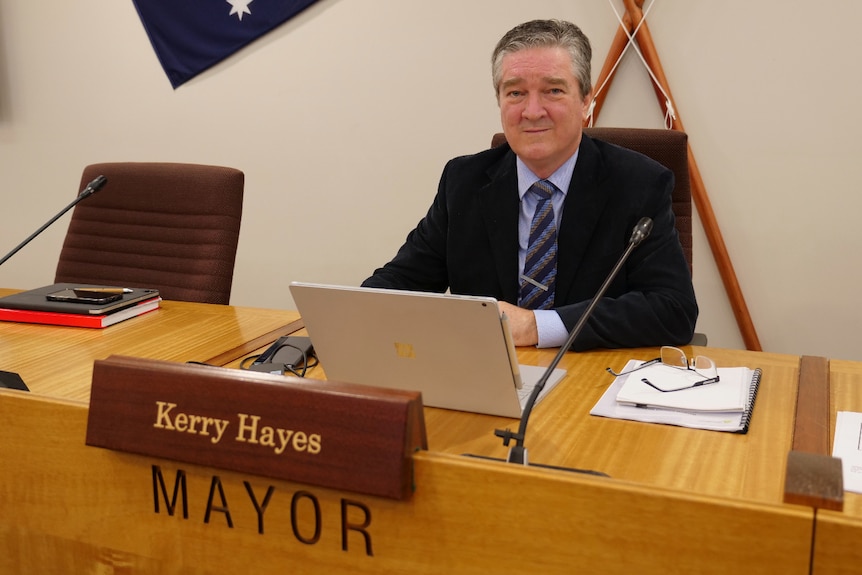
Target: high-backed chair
x=170, y=226
x=669, y=148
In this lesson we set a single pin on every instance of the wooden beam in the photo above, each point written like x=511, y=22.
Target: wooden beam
x=813, y=478
x=634, y=20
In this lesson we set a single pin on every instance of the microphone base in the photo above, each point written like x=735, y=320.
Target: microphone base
x=542, y=465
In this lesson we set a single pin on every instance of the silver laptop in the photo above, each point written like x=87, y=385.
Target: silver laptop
x=456, y=350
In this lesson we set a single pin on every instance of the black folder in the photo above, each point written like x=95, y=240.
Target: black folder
x=36, y=300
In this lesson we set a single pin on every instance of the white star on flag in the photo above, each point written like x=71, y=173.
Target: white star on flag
x=240, y=7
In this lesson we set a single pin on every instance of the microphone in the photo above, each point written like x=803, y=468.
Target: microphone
x=641, y=231
x=518, y=453
x=91, y=188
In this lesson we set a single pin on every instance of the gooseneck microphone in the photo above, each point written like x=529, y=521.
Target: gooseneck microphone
x=88, y=191
x=518, y=453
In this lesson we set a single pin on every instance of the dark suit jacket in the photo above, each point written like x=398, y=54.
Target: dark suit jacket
x=468, y=243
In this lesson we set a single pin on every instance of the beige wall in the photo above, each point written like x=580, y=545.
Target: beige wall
x=343, y=118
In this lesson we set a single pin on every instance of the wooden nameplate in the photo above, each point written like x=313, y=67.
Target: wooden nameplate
x=336, y=435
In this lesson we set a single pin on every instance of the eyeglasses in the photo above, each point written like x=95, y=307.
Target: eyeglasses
x=676, y=358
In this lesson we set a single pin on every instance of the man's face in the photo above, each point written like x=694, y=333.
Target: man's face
x=541, y=107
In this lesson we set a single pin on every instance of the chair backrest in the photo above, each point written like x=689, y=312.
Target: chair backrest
x=667, y=147
x=170, y=226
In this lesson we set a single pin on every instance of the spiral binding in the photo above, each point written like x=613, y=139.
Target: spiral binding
x=752, y=395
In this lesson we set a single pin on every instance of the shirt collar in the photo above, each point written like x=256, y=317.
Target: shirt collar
x=560, y=178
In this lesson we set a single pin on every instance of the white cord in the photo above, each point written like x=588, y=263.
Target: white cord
x=670, y=113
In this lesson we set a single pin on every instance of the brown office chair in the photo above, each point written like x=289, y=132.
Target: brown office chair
x=174, y=227
x=667, y=147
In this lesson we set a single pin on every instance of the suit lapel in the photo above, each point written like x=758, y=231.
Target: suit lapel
x=585, y=202
x=499, y=205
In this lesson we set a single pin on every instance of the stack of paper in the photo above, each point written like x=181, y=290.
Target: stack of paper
x=847, y=446
x=722, y=406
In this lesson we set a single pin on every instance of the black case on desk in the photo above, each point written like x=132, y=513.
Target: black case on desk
x=35, y=299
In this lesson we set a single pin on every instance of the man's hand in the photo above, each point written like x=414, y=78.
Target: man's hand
x=522, y=324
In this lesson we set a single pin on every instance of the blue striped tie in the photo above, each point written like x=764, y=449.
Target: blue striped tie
x=540, y=266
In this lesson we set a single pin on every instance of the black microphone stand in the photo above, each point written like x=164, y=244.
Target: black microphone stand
x=518, y=453
x=9, y=379
x=91, y=188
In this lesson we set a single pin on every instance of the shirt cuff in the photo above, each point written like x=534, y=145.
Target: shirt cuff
x=552, y=331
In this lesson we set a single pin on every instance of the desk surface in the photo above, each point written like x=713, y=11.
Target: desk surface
x=58, y=361
x=562, y=433
x=664, y=477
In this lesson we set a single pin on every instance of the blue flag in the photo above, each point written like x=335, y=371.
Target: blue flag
x=189, y=36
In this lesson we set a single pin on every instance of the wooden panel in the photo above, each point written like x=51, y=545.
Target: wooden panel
x=811, y=431
x=79, y=509
x=837, y=548
x=813, y=476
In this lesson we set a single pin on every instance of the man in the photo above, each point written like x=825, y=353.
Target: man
x=479, y=236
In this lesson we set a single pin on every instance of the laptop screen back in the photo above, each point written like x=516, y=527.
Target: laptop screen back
x=453, y=349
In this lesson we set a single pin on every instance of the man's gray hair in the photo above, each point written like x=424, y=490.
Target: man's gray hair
x=546, y=34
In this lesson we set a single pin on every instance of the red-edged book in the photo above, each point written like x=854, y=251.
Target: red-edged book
x=33, y=307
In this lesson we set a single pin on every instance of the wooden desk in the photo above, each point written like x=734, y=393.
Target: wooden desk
x=77, y=509
x=58, y=361
x=837, y=548
x=561, y=432
x=678, y=500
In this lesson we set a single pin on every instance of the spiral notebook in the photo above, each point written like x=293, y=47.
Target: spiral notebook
x=723, y=406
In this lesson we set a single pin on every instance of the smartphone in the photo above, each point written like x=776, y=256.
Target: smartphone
x=83, y=296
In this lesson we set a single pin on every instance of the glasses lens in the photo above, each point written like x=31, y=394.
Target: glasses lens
x=673, y=356
x=705, y=366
